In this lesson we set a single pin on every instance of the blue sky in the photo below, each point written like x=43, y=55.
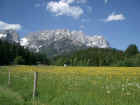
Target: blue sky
x=117, y=20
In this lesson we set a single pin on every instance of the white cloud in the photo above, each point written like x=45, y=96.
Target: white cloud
x=82, y=26
x=89, y=9
x=68, y=1
x=106, y=1
x=115, y=17
x=63, y=7
x=81, y=1
x=76, y=1
x=85, y=20
x=6, y=26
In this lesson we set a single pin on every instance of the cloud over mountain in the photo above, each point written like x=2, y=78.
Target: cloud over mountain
x=106, y=1
x=6, y=26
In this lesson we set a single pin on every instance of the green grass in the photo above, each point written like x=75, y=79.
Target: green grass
x=71, y=87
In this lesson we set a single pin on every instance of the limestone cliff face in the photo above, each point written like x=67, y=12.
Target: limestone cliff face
x=55, y=42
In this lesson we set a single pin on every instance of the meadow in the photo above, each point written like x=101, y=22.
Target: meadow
x=71, y=85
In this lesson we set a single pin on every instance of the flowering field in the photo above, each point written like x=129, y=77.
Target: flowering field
x=71, y=85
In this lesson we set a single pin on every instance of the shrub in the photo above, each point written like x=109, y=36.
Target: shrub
x=19, y=60
x=126, y=62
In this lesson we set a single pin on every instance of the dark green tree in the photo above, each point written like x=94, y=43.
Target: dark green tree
x=19, y=60
x=10, y=52
x=131, y=50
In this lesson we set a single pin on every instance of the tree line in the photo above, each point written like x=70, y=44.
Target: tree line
x=101, y=57
x=13, y=53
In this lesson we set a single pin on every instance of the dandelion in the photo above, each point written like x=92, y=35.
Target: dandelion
x=123, y=89
x=135, y=78
x=107, y=87
x=127, y=79
x=128, y=93
x=108, y=91
x=137, y=85
x=130, y=84
x=123, y=85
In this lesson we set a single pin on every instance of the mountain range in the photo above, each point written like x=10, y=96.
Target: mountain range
x=56, y=42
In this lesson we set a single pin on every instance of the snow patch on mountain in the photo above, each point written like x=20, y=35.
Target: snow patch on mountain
x=9, y=35
x=97, y=41
x=24, y=42
x=3, y=35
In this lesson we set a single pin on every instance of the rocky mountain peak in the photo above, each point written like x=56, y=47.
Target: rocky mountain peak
x=61, y=41
x=9, y=35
